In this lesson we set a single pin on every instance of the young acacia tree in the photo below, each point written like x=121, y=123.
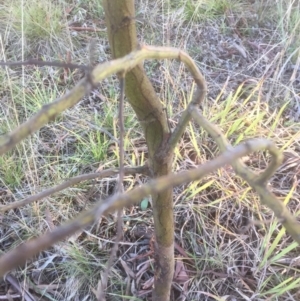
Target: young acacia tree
x=161, y=141
x=121, y=30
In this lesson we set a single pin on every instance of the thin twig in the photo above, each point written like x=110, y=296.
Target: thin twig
x=198, y=98
x=44, y=63
x=120, y=190
x=79, y=28
x=122, y=133
x=73, y=181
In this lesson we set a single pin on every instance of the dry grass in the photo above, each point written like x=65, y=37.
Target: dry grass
x=249, y=53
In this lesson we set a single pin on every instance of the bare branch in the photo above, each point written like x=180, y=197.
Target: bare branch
x=47, y=113
x=19, y=255
x=256, y=181
x=101, y=71
x=122, y=133
x=73, y=181
x=186, y=116
x=120, y=189
x=44, y=63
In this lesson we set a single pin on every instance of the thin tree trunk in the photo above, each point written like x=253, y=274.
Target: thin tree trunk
x=120, y=20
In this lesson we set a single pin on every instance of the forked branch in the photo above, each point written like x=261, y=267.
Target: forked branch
x=100, y=72
x=256, y=181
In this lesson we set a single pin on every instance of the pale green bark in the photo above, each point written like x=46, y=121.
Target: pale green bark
x=120, y=20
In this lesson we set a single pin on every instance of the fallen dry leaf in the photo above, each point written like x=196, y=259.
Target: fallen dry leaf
x=180, y=274
x=127, y=269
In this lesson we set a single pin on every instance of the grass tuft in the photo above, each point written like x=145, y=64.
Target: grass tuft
x=37, y=19
x=197, y=11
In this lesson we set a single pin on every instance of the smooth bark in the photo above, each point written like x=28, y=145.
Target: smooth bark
x=120, y=20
